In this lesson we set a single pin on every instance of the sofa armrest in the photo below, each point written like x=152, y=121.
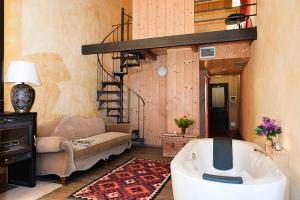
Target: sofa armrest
x=52, y=144
x=123, y=128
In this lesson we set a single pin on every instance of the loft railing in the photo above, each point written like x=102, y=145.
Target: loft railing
x=209, y=14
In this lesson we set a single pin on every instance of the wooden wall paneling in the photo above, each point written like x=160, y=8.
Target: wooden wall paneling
x=140, y=89
x=143, y=13
x=188, y=86
x=179, y=17
x=161, y=18
x=180, y=90
x=189, y=16
x=155, y=101
x=196, y=93
x=149, y=97
x=136, y=19
x=171, y=91
x=162, y=103
x=151, y=19
x=154, y=18
x=170, y=17
x=145, y=79
x=182, y=97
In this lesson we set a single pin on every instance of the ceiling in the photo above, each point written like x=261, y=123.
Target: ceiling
x=230, y=58
x=230, y=66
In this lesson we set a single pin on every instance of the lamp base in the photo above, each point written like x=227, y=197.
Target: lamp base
x=22, y=97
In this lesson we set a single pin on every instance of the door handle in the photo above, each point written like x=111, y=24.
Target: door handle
x=34, y=140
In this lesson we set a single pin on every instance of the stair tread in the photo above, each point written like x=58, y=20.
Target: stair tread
x=111, y=83
x=113, y=115
x=131, y=65
x=109, y=100
x=135, y=57
x=138, y=141
x=119, y=73
x=136, y=53
x=108, y=108
x=108, y=92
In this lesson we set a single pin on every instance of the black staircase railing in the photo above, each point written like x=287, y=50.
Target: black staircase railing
x=113, y=94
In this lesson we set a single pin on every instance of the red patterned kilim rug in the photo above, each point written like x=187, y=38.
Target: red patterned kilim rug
x=137, y=179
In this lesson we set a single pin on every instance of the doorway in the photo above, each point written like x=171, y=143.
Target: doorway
x=222, y=106
x=218, y=109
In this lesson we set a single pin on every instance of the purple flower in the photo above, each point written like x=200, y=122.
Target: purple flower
x=268, y=128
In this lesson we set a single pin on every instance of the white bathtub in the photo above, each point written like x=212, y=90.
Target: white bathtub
x=262, y=179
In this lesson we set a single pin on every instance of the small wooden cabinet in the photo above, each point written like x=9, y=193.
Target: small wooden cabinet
x=172, y=143
x=18, y=147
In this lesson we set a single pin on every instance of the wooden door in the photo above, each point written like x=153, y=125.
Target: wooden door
x=218, y=107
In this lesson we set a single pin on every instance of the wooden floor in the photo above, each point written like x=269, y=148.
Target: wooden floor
x=80, y=179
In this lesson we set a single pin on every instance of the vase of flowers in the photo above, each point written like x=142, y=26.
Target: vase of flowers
x=183, y=123
x=269, y=129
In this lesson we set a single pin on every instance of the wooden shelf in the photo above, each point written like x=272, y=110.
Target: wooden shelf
x=173, y=41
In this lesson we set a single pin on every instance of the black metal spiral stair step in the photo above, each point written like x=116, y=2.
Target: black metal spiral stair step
x=111, y=115
x=136, y=137
x=121, y=74
x=136, y=53
x=140, y=141
x=111, y=83
x=109, y=100
x=136, y=133
x=137, y=58
x=108, y=108
x=131, y=65
x=101, y=92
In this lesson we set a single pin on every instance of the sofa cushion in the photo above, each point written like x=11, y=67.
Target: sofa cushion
x=100, y=143
x=79, y=127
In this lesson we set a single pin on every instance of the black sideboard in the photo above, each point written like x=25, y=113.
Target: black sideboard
x=18, y=147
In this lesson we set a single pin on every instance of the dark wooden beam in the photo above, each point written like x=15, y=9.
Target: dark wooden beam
x=195, y=48
x=149, y=54
x=1, y=56
x=203, y=103
x=173, y=41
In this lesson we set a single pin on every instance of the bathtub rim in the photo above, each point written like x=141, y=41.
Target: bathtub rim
x=178, y=166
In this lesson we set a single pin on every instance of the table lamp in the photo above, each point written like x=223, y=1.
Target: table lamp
x=22, y=73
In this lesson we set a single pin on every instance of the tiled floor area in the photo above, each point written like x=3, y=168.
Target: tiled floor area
x=80, y=179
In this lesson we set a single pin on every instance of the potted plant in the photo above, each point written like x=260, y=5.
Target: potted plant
x=184, y=123
x=269, y=129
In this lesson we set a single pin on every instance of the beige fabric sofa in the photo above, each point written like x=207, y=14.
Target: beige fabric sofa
x=57, y=152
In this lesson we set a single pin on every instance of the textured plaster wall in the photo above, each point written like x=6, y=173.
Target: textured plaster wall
x=50, y=34
x=270, y=82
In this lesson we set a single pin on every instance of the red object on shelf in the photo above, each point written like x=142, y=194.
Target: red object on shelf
x=247, y=11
